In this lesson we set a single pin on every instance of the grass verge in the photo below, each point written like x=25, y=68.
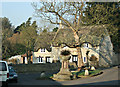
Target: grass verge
x=91, y=73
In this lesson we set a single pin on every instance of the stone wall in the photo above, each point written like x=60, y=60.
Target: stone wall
x=30, y=68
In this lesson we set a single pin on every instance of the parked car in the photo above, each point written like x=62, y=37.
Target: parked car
x=4, y=73
x=12, y=74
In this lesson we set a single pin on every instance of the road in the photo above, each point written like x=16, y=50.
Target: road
x=109, y=77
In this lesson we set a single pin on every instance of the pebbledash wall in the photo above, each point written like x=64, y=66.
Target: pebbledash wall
x=56, y=52
x=92, y=51
x=42, y=56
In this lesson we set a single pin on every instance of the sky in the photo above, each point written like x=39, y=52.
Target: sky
x=17, y=12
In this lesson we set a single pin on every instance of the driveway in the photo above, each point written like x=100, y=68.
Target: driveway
x=109, y=77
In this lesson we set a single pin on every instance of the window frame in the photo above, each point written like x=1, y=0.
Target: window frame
x=84, y=59
x=40, y=59
x=47, y=59
x=3, y=67
x=74, y=58
x=42, y=50
x=86, y=45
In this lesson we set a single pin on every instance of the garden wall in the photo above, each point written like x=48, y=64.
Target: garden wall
x=30, y=68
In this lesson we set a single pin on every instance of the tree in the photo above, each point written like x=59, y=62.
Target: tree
x=6, y=33
x=45, y=30
x=6, y=49
x=17, y=48
x=28, y=36
x=55, y=29
x=18, y=29
x=6, y=28
x=107, y=13
x=64, y=11
x=102, y=13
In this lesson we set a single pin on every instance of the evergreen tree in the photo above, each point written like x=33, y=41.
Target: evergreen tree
x=6, y=33
x=28, y=36
x=107, y=13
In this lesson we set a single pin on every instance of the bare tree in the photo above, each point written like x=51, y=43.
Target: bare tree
x=70, y=13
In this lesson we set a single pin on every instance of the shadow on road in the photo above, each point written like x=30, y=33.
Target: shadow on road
x=113, y=82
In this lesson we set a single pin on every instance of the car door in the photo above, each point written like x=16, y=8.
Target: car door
x=4, y=72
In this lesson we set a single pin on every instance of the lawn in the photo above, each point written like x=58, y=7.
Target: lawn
x=91, y=73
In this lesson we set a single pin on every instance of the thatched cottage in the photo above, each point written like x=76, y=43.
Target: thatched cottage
x=42, y=50
x=95, y=45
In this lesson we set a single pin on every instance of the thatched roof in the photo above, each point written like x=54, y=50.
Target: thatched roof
x=64, y=36
x=44, y=40
x=91, y=34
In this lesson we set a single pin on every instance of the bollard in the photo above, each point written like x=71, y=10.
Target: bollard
x=92, y=68
x=86, y=72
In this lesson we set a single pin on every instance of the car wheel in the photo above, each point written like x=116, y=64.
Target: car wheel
x=5, y=84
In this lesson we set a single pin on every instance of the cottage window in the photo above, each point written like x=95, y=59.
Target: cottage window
x=86, y=45
x=40, y=59
x=74, y=58
x=43, y=50
x=47, y=59
x=84, y=59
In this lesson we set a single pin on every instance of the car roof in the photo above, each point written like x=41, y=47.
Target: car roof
x=2, y=61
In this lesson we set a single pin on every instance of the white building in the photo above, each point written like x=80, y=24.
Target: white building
x=42, y=56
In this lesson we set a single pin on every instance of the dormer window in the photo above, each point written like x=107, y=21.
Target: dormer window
x=43, y=50
x=86, y=45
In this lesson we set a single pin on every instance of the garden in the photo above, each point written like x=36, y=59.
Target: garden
x=75, y=74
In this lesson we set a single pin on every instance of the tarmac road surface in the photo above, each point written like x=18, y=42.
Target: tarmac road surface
x=109, y=77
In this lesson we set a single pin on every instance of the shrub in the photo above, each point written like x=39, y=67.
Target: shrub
x=91, y=73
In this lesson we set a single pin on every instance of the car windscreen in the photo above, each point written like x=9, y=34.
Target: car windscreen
x=11, y=70
x=3, y=66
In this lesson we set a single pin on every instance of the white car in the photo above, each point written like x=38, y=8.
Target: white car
x=4, y=73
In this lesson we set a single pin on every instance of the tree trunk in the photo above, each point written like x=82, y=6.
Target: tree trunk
x=27, y=55
x=80, y=61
